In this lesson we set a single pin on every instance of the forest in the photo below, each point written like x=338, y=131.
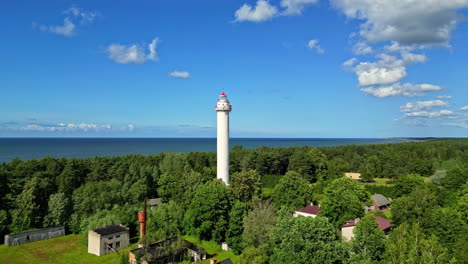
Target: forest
x=427, y=182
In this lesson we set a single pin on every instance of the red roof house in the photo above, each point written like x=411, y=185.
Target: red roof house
x=308, y=211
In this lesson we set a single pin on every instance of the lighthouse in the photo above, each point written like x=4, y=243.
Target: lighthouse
x=223, y=107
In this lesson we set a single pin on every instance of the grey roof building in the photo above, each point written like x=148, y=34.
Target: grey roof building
x=380, y=202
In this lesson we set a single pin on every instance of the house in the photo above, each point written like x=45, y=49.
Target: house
x=347, y=230
x=380, y=202
x=353, y=175
x=106, y=239
x=308, y=211
x=153, y=203
x=166, y=251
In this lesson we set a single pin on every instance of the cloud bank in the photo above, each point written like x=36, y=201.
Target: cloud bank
x=133, y=53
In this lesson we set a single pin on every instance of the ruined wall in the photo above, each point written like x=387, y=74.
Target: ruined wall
x=36, y=235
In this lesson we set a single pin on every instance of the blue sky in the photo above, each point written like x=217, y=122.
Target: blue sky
x=291, y=68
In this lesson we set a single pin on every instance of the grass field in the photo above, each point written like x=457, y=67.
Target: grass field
x=66, y=249
x=70, y=249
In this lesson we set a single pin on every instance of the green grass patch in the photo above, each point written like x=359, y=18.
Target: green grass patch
x=213, y=249
x=66, y=249
x=380, y=181
x=267, y=193
x=270, y=181
x=387, y=214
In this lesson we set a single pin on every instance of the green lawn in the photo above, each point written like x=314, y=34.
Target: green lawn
x=379, y=181
x=214, y=249
x=66, y=249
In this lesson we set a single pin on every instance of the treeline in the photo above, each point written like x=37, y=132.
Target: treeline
x=88, y=193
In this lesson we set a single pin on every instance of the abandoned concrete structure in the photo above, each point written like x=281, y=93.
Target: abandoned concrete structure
x=107, y=239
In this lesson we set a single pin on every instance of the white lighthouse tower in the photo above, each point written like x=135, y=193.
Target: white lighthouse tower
x=223, y=108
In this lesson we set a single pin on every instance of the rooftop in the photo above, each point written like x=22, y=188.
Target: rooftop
x=384, y=224
x=154, y=202
x=110, y=229
x=310, y=209
x=226, y=261
x=380, y=200
x=349, y=223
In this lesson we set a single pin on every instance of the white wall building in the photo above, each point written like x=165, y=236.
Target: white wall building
x=106, y=239
x=223, y=107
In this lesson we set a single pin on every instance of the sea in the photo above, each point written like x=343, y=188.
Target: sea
x=37, y=148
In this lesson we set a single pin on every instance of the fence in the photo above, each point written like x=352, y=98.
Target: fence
x=36, y=235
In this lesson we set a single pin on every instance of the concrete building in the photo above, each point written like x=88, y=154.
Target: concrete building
x=223, y=108
x=308, y=211
x=107, y=239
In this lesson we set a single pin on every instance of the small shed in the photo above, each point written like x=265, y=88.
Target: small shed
x=107, y=239
x=380, y=202
x=308, y=211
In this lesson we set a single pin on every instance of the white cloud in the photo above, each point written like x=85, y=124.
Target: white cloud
x=361, y=48
x=134, y=53
x=350, y=62
x=389, y=69
x=261, y=12
x=396, y=47
x=411, y=58
x=458, y=124
x=397, y=89
x=380, y=75
x=295, y=7
x=430, y=114
x=465, y=108
x=444, y=97
x=407, y=22
x=68, y=29
x=67, y=127
x=313, y=45
x=180, y=74
x=422, y=105
x=85, y=17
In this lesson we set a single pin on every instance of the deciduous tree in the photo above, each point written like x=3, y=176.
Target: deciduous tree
x=344, y=199
x=292, y=191
x=306, y=240
x=208, y=213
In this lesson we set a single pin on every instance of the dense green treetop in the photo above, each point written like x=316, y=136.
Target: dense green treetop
x=405, y=184
x=306, y=240
x=369, y=241
x=208, y=213
x=292, y=191
x=258, y=224
x=246, y=185
x=344, y=199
